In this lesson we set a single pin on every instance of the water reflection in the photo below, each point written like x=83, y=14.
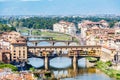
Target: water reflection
x=62, y=67
x=60, y=61
x=82, y=62
x=36, y=62
x=93, y=76
x=66, y=71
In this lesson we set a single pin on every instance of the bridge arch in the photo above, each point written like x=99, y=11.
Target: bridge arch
x=36, y=62
x=30, y=44
x=60, y=44
x=58, y=62
x=73, y=44
x=44, y=43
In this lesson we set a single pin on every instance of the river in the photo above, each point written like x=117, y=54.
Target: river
x=62, y=66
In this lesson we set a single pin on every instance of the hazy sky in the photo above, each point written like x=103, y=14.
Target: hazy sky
x=59, y=7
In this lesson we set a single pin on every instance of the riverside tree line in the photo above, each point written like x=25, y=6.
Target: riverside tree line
x=47, y=22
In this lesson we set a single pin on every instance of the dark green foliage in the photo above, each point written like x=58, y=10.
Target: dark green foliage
x=47, y=22
x=32, y=69
x=109, y=63
x=4, y=27
x=1, y=62
x=13, y=68
x=47, y=75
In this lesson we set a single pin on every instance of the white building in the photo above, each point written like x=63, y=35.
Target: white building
x=65, y=27
x=117, y=25
x=4, y=44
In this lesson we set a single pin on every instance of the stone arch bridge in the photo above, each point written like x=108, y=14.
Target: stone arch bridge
x=52, y=42
x=73, y=52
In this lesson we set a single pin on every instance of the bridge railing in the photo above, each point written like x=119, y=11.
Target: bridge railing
x=70, y=53
x=83, y=53
x=50, y=53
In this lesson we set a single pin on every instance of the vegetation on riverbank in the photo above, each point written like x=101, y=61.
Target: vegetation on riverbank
x=106, y=68
x=55, y=35
x=92, y=59
x=12, y=67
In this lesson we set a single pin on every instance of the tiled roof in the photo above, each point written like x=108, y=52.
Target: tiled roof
x=4, y=50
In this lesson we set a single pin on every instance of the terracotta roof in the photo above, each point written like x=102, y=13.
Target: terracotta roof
x=117, y=37
x=111, y=31
x=4, y=50
x=18, y=43
x=108, y=47
x=95, y=27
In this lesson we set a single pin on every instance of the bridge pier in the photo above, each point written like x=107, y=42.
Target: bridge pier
x=75, y=62
x=46, y=63
x=68, y=43
x=53, y=43
x=50, y=38
x=35, y=43
x=30, y=32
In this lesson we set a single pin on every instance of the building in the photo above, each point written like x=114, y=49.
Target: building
x=86, y=24
x=99, y=33
x=18, y=50
x=5, y=55
x=13, y=47
x=117, y=25
x=65, y=27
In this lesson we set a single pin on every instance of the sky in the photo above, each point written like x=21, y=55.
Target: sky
x=59, y=7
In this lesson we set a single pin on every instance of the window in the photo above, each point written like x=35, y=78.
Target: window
x=14, y=51
x=23, y=47
x=19, y=55
x=23, y=54
x=19, y=52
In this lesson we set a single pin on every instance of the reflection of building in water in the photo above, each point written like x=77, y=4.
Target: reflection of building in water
x=64, y=73
x=73, y=73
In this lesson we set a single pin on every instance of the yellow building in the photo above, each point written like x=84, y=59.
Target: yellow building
x=18, y=51
x=17, y=46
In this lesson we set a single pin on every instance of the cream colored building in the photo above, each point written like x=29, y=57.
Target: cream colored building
x=65, y=27
x=86, y=24
x=18, y=51
x=15, y=44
